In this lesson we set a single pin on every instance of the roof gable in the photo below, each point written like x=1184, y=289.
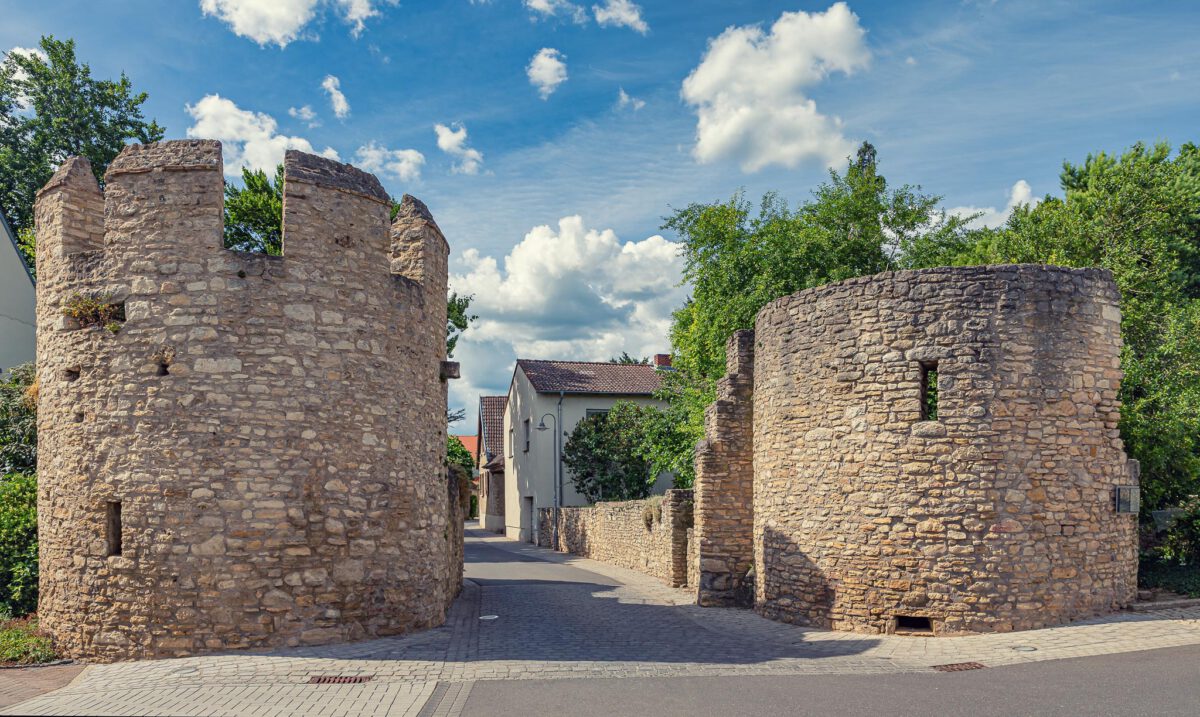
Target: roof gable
x=491, y=424
x=590, y=377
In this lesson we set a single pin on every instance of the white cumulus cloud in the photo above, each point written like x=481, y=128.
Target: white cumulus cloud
x=565, y=292
x=749, y=89
x=280, y=22
x=453, y=141
x=620, y=13
x=547, y=71
x=403, y=164
x=1020, y=193
x=249, y=139
x=624, y=100
x=337, y=100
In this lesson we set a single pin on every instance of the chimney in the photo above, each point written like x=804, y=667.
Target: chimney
x=662, y=360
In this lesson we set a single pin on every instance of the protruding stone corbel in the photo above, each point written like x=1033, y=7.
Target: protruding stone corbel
x=450, y=369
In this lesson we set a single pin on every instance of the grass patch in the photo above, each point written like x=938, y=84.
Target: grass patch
x=22, y=644
x=1170, y=575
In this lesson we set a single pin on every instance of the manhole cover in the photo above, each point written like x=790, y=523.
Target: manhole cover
x=1025, y=648
x=339, y=679
x=489, y=617
x=959, y=667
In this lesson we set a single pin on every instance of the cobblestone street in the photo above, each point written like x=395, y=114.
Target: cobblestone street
x=529, y=614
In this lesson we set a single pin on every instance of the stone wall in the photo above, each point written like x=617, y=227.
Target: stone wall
x=255, y=455
x=996, y=515
x=649, y=536
x=724, y=483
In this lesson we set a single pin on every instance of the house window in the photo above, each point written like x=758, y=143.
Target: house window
x=929, y=391
x=596, y=412
x=527, y=429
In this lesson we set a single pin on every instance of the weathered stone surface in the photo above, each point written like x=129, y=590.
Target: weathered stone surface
x=273, y=427
x=650, y=536
x=997, y=516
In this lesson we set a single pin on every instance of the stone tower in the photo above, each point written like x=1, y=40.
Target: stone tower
x=251, y=452
x=933, y=450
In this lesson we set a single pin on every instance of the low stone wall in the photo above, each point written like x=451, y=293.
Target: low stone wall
x=649, y=536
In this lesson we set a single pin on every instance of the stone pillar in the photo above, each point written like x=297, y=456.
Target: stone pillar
x=724, y=485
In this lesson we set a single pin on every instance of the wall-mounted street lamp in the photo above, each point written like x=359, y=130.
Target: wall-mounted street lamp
x=541, y=426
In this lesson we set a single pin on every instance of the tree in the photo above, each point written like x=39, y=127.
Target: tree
x=603, y=454
x=625, y=358
x=458, y=455
x=254, y=213
x=51, y=108
x=18, y=421
x=1137, y=215
x=737, y=262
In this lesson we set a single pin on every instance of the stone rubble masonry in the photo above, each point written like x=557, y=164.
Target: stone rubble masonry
x=617, y=533
x=724, y=483
x=273, y=428
x=996, y=516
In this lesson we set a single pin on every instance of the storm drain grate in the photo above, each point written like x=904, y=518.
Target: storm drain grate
x=339, y=679
x=960, y=667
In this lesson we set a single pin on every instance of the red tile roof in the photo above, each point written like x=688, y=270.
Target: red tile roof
x=491, y=425
x=590, y=377
x=471, y=443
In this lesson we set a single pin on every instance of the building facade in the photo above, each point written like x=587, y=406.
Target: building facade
x=558, y=395
x=489, y=462
x=18, y=340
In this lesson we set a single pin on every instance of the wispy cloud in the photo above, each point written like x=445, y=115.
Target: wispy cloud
x=402, y=164
x=280, y=22
x=620, y=13
x=337, y=100
x=453, y=141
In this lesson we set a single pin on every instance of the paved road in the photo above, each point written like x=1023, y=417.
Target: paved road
x=536, y=631
x=1158, y=683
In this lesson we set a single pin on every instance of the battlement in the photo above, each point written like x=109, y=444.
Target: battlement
x=167, y=199
x=243, y=450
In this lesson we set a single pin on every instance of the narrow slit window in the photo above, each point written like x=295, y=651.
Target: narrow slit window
x=929, y=391
x=527, y=435
x=113, y=527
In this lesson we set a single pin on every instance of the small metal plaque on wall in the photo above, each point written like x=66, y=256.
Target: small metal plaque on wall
x=1128, y=498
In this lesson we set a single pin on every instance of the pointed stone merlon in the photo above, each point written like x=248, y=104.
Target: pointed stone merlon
x=419, y=250
x=332, y=212
x=69, y=213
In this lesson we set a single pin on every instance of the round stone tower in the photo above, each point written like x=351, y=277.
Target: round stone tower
x=237, y=450
x=937, y=451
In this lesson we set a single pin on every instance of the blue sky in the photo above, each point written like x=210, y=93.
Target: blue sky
x=553, y=195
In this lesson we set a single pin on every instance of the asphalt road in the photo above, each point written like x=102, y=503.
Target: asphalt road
x=1156, y=683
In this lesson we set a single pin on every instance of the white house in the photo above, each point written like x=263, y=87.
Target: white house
x=557, y=395
x=17, y=300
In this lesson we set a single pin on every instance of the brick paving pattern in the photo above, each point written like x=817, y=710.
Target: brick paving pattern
x=561, y=616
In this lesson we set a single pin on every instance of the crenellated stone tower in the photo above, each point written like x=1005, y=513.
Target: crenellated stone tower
x=251, y=452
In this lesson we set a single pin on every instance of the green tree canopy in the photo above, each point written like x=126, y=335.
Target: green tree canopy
x=51, y=108
x=458, y=455
x=604, y=455
x=1137, y=215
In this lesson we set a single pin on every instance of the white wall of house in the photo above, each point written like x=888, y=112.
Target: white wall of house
x=17, y=298
x=529, y=474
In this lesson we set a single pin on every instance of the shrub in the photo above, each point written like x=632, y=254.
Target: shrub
x=18, y=421
x=1182, y=544
x=22, y=644
x=652, y=512
x=603, y=457
x=95, y=311
x=18, y=544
